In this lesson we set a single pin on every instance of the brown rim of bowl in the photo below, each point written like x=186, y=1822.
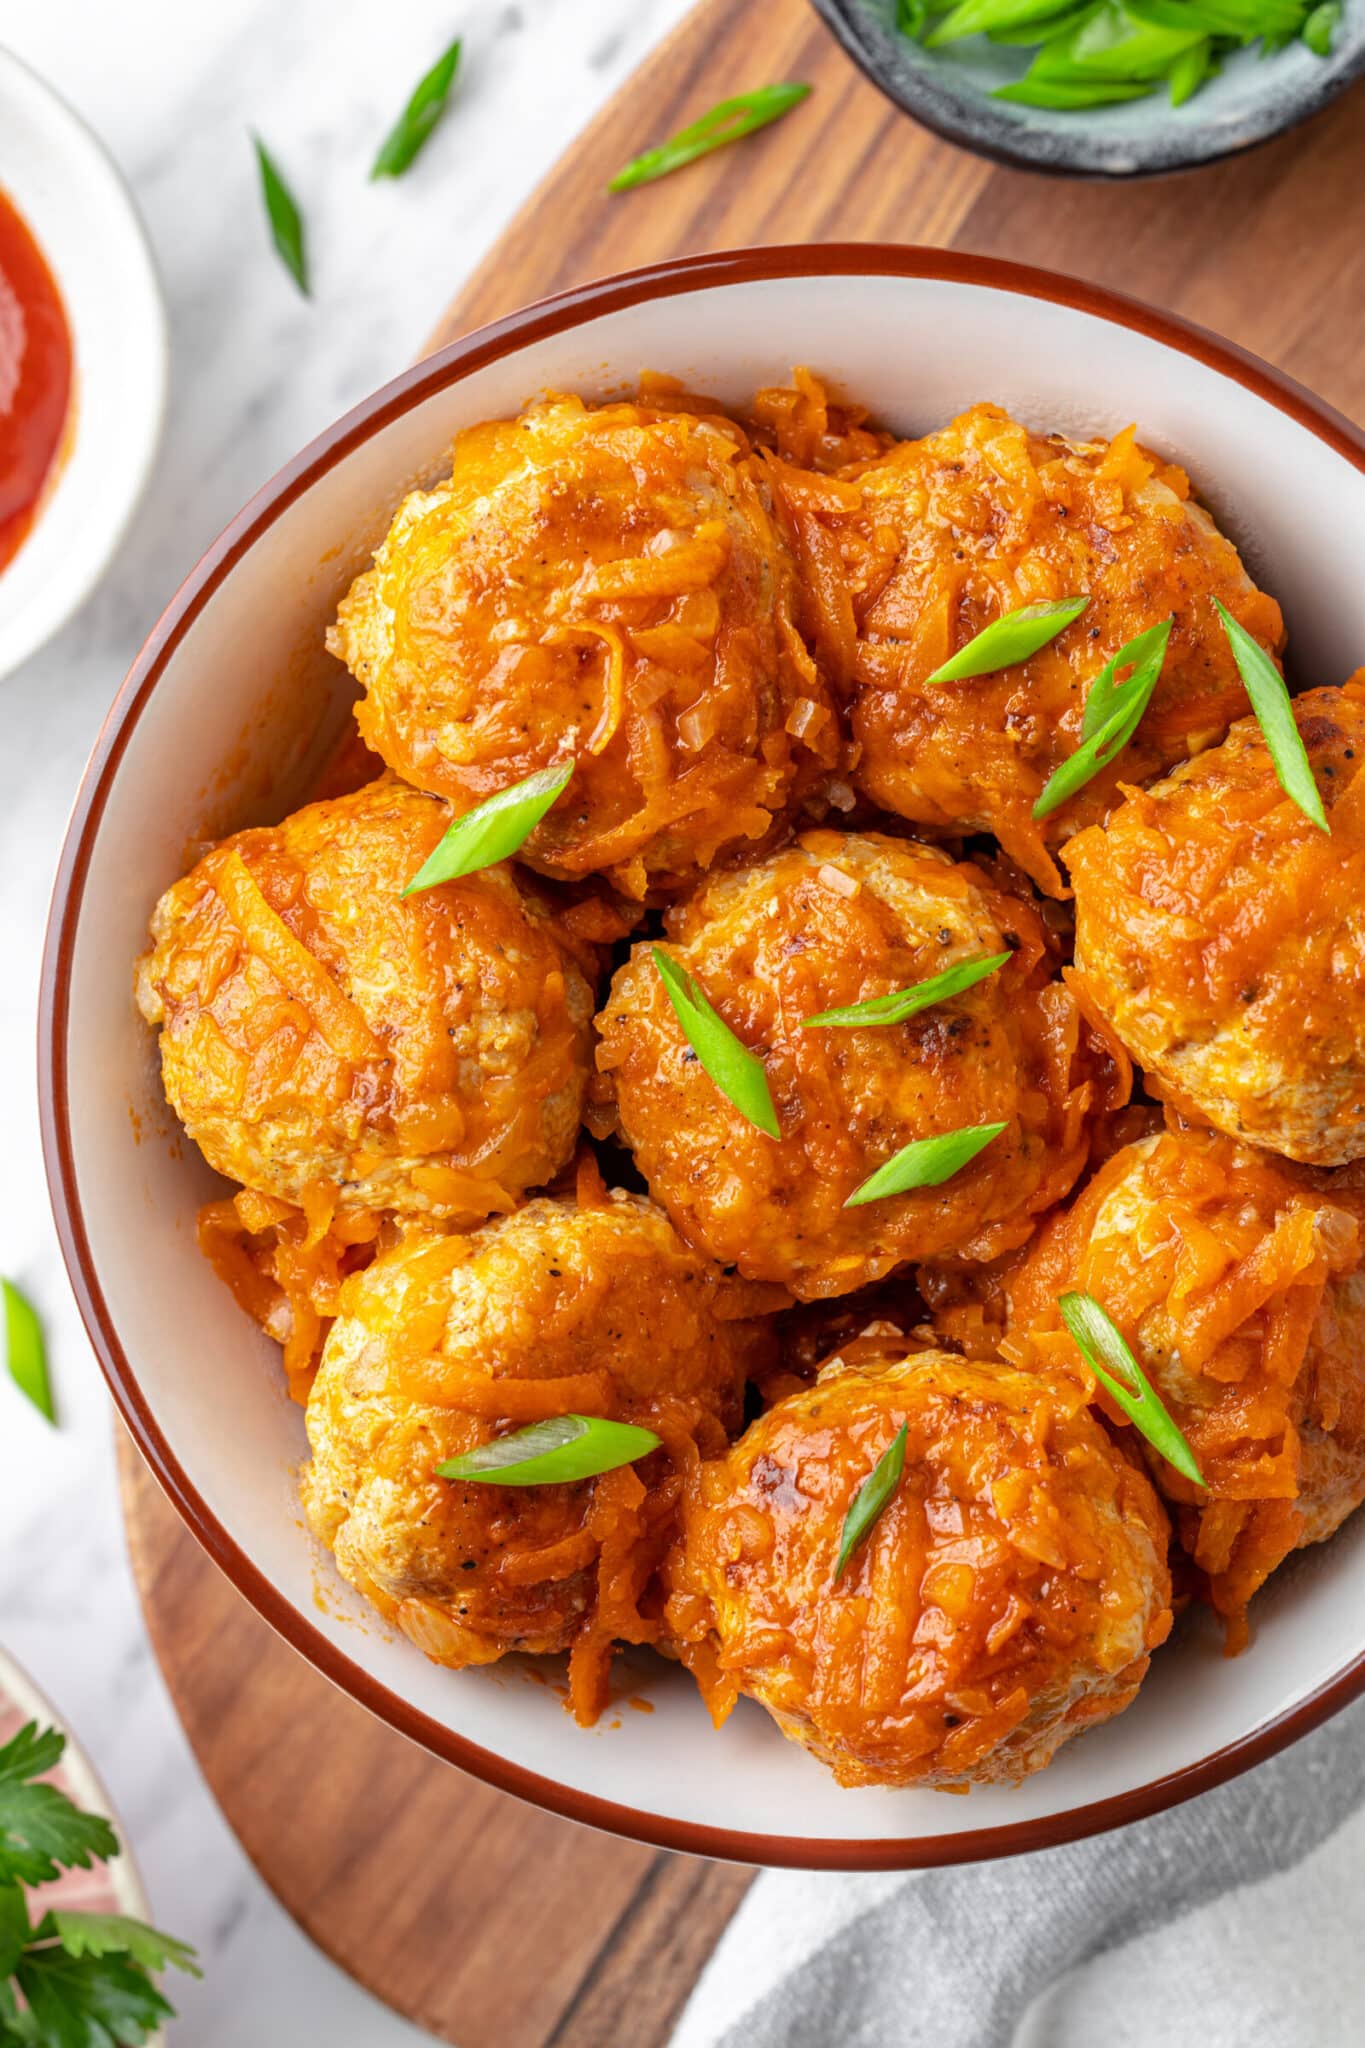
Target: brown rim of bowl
x=552, y=316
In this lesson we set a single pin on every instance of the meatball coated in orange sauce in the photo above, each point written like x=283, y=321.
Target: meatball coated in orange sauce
x=1235, y=1278
x=446, y=1341
x=831, y=921
x=329, y=1042
x=1223, y=935
x=908, y=557
x=1007, y=1597
x=603, y=585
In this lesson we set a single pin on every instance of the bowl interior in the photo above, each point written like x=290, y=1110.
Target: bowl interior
x=950, y=89
x=79, y=213
x=243, y=692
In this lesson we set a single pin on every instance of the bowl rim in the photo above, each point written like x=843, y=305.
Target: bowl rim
x=841, y=19
x=92, y=162
x=450, y=365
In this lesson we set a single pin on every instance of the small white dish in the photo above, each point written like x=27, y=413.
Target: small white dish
x=60, y=179
x=200, y=742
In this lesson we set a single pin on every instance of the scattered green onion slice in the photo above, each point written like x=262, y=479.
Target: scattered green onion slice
x=738, y=1073
x=925, y=1163
x=871, y=1497
x=1103, y=1346
x=1271, y=702
x=726, y=122
x=286, y=222
x=413, y=128
x=1321, y=27
x=493, y=830
x=1113, y=712
x=1009, y=639
x=25, y=1351
x=553, y=1453
x=907, y=1002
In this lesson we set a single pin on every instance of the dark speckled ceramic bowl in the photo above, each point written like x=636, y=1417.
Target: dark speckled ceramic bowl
x=949, y=91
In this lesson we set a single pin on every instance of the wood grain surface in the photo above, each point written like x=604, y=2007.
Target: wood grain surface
x=485, y=1921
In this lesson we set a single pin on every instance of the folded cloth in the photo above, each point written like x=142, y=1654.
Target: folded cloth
x=1234, y=1921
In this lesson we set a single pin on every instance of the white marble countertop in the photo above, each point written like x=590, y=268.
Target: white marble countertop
x=255, y=371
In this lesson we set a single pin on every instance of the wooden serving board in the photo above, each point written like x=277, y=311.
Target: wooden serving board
x=482, y=1920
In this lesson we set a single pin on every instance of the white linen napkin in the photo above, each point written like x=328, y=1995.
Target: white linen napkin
x=1234, y=1921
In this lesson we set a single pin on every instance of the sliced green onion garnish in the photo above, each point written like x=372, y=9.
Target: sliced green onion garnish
x=553, y=1453
x=286, y=222
x=926, y=1163
x=1113, y=712
x=1009, y=639
x=907, y=1002
x=411, y=131
x=1189, y=71
x=738, y=1073
x=493, y=830
x=1321, y=27
x=1106, y=1352
x=871, y=1497
x=1274, y=709
x=982, y=17
x=724, y=123
x=25, y=1351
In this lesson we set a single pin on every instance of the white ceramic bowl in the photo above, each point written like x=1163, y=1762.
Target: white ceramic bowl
x=78, y=210
x=202, y=739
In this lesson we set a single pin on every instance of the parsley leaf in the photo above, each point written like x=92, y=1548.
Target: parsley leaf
x=14, y=1933
x=106, y=1934
x=40, y=1830
x=89, y=2001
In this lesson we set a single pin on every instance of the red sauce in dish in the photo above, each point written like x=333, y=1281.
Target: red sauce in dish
x=35, y=377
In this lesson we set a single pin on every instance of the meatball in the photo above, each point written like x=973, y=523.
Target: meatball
x=443, y=1341
x=911, y=555
x=1007, y=1597
x=330, y=1042
x=1235, y=1278
x=1222, y=933
x=605, y=585
x=831, y=921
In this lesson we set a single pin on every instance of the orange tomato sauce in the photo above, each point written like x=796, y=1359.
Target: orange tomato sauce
x=35, y=378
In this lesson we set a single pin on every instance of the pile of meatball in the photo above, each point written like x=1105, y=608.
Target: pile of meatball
x=483, y=1179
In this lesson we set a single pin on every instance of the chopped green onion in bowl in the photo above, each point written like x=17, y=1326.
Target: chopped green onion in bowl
x=1107, y=51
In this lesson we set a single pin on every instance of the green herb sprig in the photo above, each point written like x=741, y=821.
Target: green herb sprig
x=68, y=1979
x=738, y=1073
x=1113, y=712
x=908, y=1002
x=872, y=1496
x=414, y=127
x=1105, y=1350
x=25, y=1350
x=1101, y=52
x=553, y=1453
x=1274, y=709
x=493, y=830
x=1011, y=638
x=286, y=222
x=727, y=122
x=925, y=1163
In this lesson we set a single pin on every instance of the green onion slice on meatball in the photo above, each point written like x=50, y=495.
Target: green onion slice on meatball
x=908, y=1002
x=1009, y=639
x=1274, y=709
x=738, y=1073
x=1105, y=1350
x=1113, y=712
x=925, y=1163
x=565, y=1448
x=871, y=1497
x=493, y=830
